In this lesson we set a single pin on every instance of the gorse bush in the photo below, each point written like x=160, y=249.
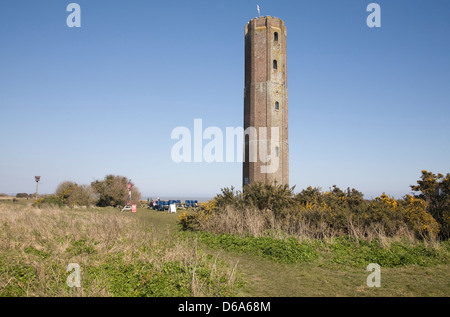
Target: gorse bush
x=264, y=209
x=72, y=194
x=51, y=200
x=434, y=189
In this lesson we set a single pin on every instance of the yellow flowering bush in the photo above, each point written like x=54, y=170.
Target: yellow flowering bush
x=419, y=219
x=318, y=213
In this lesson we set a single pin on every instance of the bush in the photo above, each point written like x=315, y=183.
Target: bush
x=64, y=190
x=435, y=191
x=82, y=195
x=274, y=210
x=22, y=195
x=51, y=200
x=416, y=215
x=112, y=191
x=72, y=194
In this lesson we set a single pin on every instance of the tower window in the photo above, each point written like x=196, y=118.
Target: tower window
x=275, y=37
x=277, y=151
x=277, y=105
x=275, y=64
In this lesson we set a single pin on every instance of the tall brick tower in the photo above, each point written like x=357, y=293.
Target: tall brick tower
x=266, y=100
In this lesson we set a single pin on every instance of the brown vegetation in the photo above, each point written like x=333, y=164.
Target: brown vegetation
x=113, y=250
x=262, y=209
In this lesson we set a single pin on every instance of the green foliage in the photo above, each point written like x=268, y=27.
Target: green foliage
x=51, y=200
x=82, y=246
x=39, y=253
x=22, y=273
x=258, y=195
x=266, y=196
x=283, y=251
x=340, y=250
x=72, y=194
x=118, y=256
x=359, y=252
x=112, y=191
x=64, y=190
x=435, y=191
x=145, y=280
x=23, y=195
x=325, y=213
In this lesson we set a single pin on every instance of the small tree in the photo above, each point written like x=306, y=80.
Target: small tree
x=112, y=191
x=82, y=195
x=64, y=190
x=72, y=194
x=435, y=190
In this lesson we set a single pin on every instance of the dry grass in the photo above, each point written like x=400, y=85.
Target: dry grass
x=38, y=244
x=258, y=223
x=6, y=198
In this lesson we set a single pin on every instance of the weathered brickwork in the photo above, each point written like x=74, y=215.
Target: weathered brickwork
x=265, y=95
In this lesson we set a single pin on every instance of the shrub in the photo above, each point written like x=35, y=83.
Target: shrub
x=435, y=191
x=387, y=212
x=51, y=200
x=418, y=218
x=64, y=190
x=72, y=194
x=112, y=191
x=22, y=195
x=274, y=210
x=82, y=195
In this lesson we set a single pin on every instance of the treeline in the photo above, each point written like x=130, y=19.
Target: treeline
x=25, y=195
x=262, y=209
x=109, y=192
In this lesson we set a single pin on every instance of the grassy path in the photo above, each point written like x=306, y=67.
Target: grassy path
x=262, y=277
x=266, y=278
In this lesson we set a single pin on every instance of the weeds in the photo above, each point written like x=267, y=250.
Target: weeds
x=339, y=250
x=312, y=214
x=118, y=256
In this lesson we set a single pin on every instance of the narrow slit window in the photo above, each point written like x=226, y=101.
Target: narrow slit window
x=275, y=64
x=275, y=37
x=277, y=151
x=277, y=105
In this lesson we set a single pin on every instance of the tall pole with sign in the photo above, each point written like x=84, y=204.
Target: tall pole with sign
x=37, y=179
x=129, y=193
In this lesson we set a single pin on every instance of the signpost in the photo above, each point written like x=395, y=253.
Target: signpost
x=129, y=193
x=37, y=179
x=128, y=205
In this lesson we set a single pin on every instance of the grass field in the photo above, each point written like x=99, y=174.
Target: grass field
x=145, y=254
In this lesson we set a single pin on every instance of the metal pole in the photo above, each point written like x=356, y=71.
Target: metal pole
x=37, y=179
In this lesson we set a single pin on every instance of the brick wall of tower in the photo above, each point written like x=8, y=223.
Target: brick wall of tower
x=264, y=86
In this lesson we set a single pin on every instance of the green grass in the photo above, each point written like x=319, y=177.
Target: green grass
x=341, y=250
x=120, y=254
x=145, y=254
x=282, y=251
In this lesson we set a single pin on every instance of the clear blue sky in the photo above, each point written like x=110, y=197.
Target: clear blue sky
x=369, y=108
